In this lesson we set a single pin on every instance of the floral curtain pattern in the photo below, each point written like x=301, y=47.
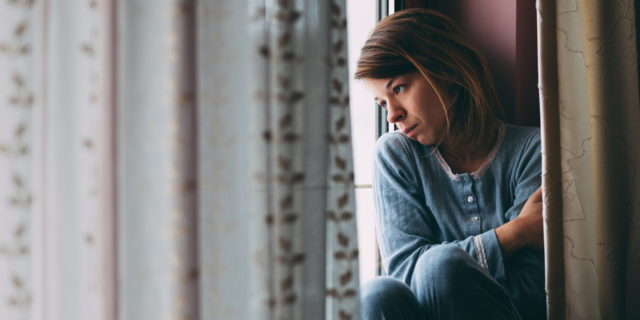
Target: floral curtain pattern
x=590, y=110
x=55, y=162
x=308, y=178
x=18, y=93
x=157, y=161
x=175, y=159
x=73, y=237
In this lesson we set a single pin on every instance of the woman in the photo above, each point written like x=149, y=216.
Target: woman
x=459, y=212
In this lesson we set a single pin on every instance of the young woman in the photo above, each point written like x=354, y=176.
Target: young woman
x=459, y=208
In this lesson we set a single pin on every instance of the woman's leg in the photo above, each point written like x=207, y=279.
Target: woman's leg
x=389, y=298
x=449, y=284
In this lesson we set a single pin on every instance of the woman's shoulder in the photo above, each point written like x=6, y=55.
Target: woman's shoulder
x=391, y=139
x=392, y=146
x=395, y=148
x=522, y=136
x=522, y=147
x=398, y=143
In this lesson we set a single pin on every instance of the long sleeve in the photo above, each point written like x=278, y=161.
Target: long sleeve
x=525, y=268
x=421, y=204
x=406, y=225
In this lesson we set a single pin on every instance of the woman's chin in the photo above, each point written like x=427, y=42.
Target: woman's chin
x=424, y=140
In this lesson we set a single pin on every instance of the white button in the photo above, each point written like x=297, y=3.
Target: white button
x=469, y=199
x=475, y=218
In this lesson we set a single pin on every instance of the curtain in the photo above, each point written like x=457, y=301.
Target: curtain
x=55, y=212
x=175, y=159
x=19, y=87
x=590, y=114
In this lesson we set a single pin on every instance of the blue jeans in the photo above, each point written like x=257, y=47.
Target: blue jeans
x=447, y=283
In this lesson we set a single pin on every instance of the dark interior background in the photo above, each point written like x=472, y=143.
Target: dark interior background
x=505, y=33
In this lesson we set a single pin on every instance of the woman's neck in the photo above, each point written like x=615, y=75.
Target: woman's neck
x=468, y=159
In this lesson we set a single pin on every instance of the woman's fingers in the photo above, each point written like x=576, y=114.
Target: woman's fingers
x=536, y=196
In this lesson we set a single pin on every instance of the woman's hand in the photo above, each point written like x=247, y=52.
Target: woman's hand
x=531, y=221
x=526, y=229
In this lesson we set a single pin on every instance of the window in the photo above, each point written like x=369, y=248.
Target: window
x=367, y=123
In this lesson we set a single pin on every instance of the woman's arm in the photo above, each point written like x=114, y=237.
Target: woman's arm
x=525, y=230
x=524, y=218
x=406, y=227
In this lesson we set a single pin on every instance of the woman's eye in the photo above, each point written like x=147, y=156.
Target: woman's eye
x=398, y=89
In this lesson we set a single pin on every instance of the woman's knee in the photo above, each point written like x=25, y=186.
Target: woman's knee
x=442, y=266
x=381, y=290
x=450, y=284
x=442, y=259
x=389, y=297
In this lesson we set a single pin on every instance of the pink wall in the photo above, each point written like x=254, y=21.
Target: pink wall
x=505, y=32
x=527, y=97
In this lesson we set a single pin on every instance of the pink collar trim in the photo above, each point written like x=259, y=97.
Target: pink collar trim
x=485, y=165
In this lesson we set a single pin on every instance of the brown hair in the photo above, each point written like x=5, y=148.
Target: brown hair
x=429, y=42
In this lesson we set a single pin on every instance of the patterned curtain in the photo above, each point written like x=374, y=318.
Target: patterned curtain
x=19, y=87
x=300, y=117
x=56, y=166
x=591, y=123
x=175, y=159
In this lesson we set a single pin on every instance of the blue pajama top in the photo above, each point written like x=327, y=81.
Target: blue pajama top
x=420, y=204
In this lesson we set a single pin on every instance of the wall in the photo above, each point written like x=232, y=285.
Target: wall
x=505, y=32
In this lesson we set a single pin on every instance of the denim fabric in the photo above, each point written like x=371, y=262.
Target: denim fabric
x=447, y=284
x=421, y=205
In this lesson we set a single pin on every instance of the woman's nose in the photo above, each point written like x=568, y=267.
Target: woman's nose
x=395, y=112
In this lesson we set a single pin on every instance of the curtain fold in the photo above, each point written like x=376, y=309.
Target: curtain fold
x=73, y=154
x=55, y=150
x=590, y=111
x=20, y=93
x=157, y=160
x=176, y=159
x=224, y=152
x=301, y=128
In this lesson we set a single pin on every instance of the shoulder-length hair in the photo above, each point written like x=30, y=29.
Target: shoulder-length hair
x=429, y=42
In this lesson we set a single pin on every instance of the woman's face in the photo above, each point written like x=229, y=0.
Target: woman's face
x=412, y=105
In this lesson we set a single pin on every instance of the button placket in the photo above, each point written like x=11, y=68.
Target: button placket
x=472, y=207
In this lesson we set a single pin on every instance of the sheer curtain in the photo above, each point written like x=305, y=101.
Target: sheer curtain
x=591, y=123
x=175, y=159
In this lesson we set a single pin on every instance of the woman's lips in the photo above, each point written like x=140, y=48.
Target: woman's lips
x=409, y=131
